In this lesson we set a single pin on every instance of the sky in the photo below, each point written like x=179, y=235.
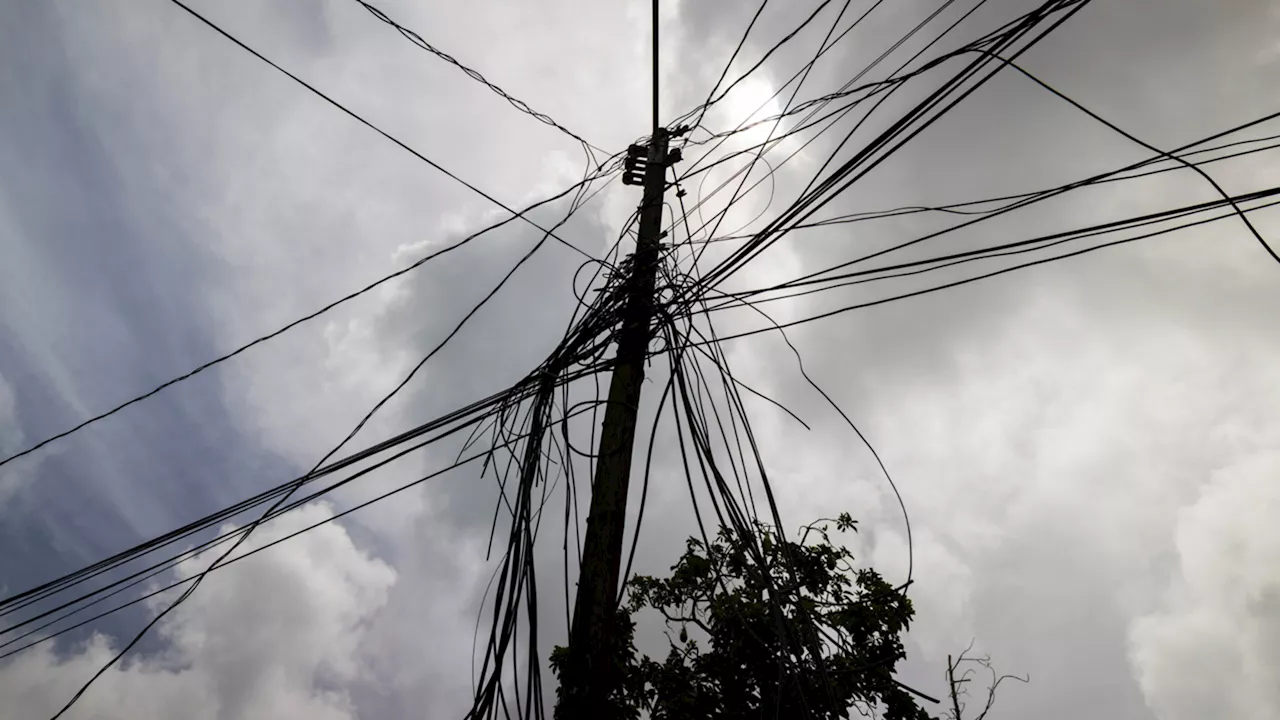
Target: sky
x=1087, y=449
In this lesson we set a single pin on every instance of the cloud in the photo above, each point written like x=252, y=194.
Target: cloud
x=1055, y=468
x=18, y=474
x=1083, y=448
x=276, y=635
x=1219, y=621
x=12, y=437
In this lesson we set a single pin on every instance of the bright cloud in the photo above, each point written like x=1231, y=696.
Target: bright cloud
x=275, y=635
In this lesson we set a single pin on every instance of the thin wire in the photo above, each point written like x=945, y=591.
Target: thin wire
x=956, y=208
x=248, y=532
x=586, y=339
x=1046, y=195
x=1038, y=243
x=517, y=103
x=240, y=540
x=728, y=65
x=1198, y=170
x=373, y=127
x=995, y=273
x=809, y=205
x=223, y=358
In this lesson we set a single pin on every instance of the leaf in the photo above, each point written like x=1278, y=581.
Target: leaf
x=754, y=606
x=844, y=521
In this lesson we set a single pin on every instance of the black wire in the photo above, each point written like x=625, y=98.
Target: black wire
x=1002, y=271
x=702, y=111
x=955, y=208
x=906, y=517
x=524, y=414
x=483, y=407
x=371, y=126
x=458, y=463
x=199, y=579
x=802, y=74
x=786, y=38
x=759, y=156
x=269, y=336
x=817, y=104
x=808, y=206
x=238, y=541
x=515, y=582
x=1198, y=170
x=865, y=70
x=738, y=516
x=1045, y=195
x=1018, y=246
x=518, y=104
x=515, y=214
x=40, y=592
x=706, y=460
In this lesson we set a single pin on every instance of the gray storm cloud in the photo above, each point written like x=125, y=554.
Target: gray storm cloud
x=1087, y=449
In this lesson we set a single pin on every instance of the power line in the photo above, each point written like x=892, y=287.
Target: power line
x=373, y=127
x=932, y=264
x=514, y=214
x=517, y=103
x=889, y=141
x=988, y=275
x=240, y=538
x=702, y=110
x=786, y=38
x=968, y=207
x=1045, y=195
x=716, y=440
x=284, y=497
x=1196, y=168
x=159, y=568
x=275, y=333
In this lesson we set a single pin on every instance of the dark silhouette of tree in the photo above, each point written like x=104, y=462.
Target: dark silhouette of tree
x=766, y=628
x=960, y=672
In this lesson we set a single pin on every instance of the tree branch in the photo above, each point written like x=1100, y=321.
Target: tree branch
x=955, y=684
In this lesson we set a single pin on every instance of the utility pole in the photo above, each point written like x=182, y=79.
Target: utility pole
x=590, y=675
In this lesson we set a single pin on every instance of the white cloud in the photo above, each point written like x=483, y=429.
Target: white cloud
x=1060, y=457
x=275, y=635
x=1211, y=648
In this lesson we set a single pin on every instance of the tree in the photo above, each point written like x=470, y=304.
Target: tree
x=766, y=627
x=956, y=683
